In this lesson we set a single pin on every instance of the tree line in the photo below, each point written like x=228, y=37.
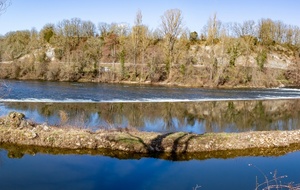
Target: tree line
x=75, y=49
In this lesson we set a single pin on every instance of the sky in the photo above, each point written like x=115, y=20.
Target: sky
x=28, y=14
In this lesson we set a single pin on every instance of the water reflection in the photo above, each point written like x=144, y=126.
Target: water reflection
x=19, y=151
x=41, y=170
x=197, y=117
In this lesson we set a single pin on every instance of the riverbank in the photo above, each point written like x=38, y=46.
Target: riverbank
x=197, y=77
x=15, y=129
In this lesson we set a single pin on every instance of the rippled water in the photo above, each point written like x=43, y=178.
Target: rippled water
x=149, y=108
x=40, y=91
x=153, y=108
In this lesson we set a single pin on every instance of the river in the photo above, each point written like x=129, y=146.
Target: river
x=39, y=91
x=147, y=108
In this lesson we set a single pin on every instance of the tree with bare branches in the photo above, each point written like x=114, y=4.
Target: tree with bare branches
x=137, y=32
x=212, y=31
x=3, y=5
x=171, y=28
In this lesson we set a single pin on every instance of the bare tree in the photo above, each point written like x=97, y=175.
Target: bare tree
x=88, y=29
x=139, y=43
x=137, y=37
x=266, y=31
x=146, y=40
x=171, y=28
x=213, y=29
x=3, y=5
x=247, y=28
x=297, y=36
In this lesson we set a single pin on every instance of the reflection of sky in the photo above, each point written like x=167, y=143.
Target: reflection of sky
x=99, y=172
x=176, y=120
x=32, y=115
x=160, y=125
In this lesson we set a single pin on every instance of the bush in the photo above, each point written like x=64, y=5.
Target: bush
x=261, y=59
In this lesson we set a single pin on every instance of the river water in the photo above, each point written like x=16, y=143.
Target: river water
x=147, y=108
x=153, y=108
x=37, y=91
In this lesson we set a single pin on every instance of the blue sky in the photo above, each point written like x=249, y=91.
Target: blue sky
x=26, y=14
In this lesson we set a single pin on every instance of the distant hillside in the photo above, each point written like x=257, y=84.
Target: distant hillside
x=263, y=54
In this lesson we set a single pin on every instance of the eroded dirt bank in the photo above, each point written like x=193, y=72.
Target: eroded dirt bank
x=15, y=129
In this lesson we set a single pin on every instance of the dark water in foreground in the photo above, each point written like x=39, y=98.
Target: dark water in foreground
x=42, y=171
x=148, y=108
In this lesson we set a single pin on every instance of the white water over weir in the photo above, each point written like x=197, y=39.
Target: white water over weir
x=70, y=92
x=153, y=108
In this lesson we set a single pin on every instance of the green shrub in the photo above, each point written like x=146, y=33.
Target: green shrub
x=261, y=59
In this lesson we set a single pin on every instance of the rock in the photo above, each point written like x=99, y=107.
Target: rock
x=17, y=120
x=77, y=144
x=30, y=134
x=23, y=124
x=16, y=115
x=14, y=119
x=45, y=128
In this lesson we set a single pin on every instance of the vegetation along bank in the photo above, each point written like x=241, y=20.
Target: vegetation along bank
x=261, y=53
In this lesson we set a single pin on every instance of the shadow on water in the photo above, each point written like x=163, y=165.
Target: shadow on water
x=18, y=151
x=198, y=117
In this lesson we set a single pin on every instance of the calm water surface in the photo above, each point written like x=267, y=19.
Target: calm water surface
x=148, y=108
x=153, y=108
x=43, y=171
x=197, y=117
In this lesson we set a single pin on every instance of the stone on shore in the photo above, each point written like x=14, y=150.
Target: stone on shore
x=15, y=129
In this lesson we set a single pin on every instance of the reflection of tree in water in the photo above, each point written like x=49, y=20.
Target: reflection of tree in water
x=4, y=88
x=112, y=115
x=176, y=116
x=212, y=116
x=135, y=115
x=167, y=117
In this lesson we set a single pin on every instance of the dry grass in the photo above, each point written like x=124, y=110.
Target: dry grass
x=20, y=131
x=275, y=182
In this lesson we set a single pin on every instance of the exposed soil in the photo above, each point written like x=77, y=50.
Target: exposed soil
x=15, y=129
